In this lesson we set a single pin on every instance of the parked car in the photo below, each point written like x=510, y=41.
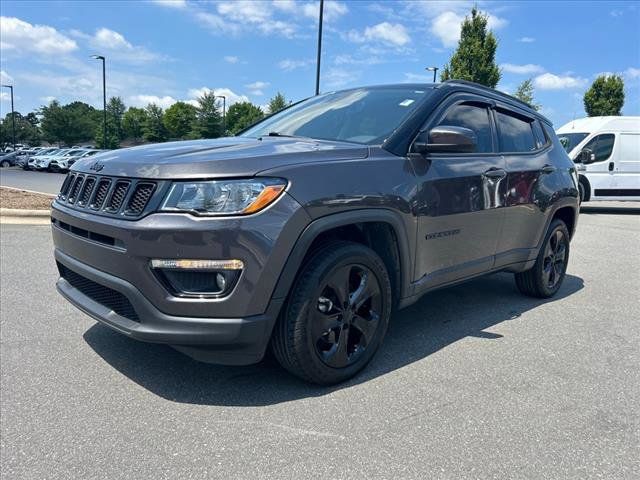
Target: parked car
x=607, y=151
x=64, y=162
x=308, y=229
x=43, y=161
x=9, y=159
x=31, y=163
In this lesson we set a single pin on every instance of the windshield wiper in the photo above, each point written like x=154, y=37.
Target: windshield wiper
x=278, y=134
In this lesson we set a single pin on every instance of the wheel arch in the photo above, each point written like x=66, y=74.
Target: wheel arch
x=377, y=229
x=584, y=181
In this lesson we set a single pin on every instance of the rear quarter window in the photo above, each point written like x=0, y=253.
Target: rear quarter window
x=515, y=134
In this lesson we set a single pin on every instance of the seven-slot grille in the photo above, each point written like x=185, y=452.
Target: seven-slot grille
x=114, y=196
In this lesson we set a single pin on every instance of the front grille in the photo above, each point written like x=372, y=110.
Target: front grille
x=117, y=196
x=101, y=193
x=140, y=198
x=105, y=296
x=75, y=189
x=111, y=196
x=87, y=189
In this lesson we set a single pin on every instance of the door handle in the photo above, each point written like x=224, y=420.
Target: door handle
x=495, y=173
x=611, y=165
x=548, y=169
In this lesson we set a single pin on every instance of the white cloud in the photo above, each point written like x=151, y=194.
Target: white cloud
x=549, y=81
x=255, y=14
x=527, y=69
x=332, y=9
x=231, y=59
x=231, y=96
x=20, y=36
x=5, y=97
x=47, y=100
x=338, y=77
x=526, y=39
x=447, y=25
x=117, y=46
x=289, y=64
x=144, y=100
x=256, y=88
x=178, y=4
x=632, y=72
x=5, y=78
x=394, y=34
x=418, y=78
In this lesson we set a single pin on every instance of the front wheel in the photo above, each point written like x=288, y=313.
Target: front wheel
x=5, y=163
x=547, y=274
x=336, y=315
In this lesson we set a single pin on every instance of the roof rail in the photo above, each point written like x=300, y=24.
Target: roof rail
x=491, y=90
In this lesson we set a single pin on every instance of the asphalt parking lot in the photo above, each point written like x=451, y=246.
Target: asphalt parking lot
x=472, y=382
x=45, y=182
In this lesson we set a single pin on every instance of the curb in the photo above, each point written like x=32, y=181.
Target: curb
x=52, y=195
x=22, y=213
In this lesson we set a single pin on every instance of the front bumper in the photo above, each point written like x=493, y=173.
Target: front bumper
x=232, y=341
x=232, y=330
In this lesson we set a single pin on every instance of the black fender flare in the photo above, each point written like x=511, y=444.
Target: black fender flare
x=323, y=224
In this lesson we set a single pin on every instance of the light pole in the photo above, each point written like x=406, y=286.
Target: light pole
x=319, y=48
x=13, y=117
x=104, y=100
x=224, y=114
x=434, y=70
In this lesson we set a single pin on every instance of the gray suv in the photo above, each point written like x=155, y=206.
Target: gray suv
x=304, y=233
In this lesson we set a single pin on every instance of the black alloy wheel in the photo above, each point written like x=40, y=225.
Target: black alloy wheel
x=336, y=314
x=544, y=279
x=347, y=315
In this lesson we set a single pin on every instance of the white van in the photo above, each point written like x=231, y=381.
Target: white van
x=607, y=153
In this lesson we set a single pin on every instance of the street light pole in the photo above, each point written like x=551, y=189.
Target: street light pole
x=224, y=113
x=434, y=70
x=13, y=117
x=319, y=47
x=104, y=99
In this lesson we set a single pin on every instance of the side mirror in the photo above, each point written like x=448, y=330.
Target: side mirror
x=585, y=156
x=446, y=139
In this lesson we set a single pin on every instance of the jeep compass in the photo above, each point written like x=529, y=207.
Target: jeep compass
x=306, y=231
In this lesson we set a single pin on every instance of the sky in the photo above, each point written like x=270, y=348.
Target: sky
x=169, y=50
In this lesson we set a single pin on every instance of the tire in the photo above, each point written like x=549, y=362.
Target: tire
x=323, y=336
x=584, y=190
x=5, y=163
x=546, y=276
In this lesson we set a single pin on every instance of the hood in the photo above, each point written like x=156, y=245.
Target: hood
x=221, y=157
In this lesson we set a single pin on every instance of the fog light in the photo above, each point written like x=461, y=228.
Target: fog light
x=198, y=278
x=198, y=264
x=221, y=281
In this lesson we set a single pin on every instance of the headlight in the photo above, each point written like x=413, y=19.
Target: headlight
x=223, y=197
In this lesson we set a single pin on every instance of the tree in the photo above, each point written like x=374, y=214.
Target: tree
x=474, y=59
x=179, y=119
x=208, y=119
x=277, y=103
x=115, y=112
x=133, y=122
x=70, y=124
x=26, y=132
x=605, y=96
x=241, y=115
x=524, y=92
x=153, y=129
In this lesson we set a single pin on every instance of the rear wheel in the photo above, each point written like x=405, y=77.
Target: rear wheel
x=336, y=316
x=546, y=276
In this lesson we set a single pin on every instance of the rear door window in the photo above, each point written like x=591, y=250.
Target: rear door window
x=474, y=117
x=539, y=134
x=515, y=133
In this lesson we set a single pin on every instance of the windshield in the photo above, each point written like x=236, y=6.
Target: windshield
x=570, y=140
x=364, y=115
